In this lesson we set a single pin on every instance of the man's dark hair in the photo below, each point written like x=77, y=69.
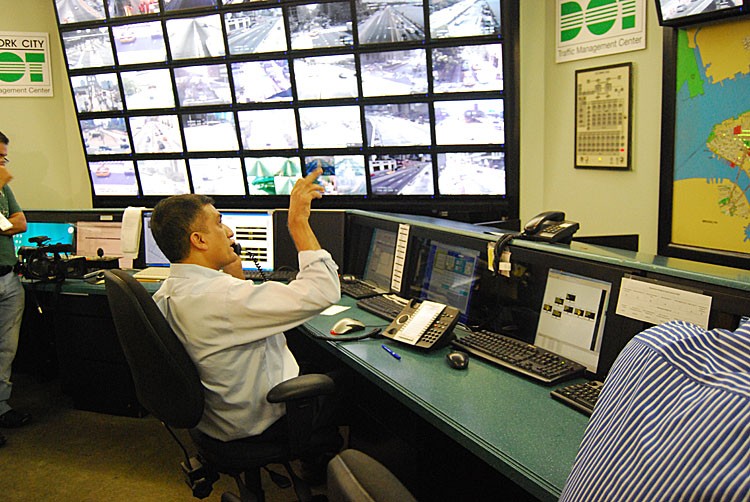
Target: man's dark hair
x=4, y=139
x=173, y=221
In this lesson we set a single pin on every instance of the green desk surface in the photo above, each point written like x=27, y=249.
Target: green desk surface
x=508, y=421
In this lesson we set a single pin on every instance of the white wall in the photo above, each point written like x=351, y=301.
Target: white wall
x=49, y=165
x=603, y=201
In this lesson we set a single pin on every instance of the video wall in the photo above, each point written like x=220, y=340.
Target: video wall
x=404, y=103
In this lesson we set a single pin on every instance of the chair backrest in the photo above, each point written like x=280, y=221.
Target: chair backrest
x=353, y=475
x=166, y=380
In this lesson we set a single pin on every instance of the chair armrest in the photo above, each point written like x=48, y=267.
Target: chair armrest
x=300, y=395
x=301, y=387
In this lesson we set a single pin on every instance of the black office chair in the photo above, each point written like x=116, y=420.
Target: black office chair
x=354, y=476
x=168, y=386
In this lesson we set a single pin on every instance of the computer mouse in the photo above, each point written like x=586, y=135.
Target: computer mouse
x=347, y=325
x=458, y=360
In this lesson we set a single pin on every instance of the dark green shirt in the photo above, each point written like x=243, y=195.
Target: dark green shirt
x=8, y=206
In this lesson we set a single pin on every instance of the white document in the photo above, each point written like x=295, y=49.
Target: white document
x=656, y=303
x=5, y=224
x=334, y=309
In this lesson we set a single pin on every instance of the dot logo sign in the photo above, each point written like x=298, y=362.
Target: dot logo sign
x=25, y=65
x=583, y=21
x=15, y=66
x=590, y=28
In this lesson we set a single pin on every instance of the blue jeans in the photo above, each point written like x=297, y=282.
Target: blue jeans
x=11, y=312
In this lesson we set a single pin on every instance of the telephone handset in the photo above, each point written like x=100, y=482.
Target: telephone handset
x=550, y=226
x=424, y=324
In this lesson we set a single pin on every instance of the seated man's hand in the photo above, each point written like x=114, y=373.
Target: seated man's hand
x=303, y=193
x=300, y=200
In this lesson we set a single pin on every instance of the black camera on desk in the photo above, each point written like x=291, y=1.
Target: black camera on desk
x=49, y=262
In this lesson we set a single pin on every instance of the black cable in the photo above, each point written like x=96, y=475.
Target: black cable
x=502, y=242
x=238, y=251
x=344, y=338
x=255, y=259
x=32, y=290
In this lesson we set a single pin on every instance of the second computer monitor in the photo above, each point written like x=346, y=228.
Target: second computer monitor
x=446, y=274
x=57, y=232
x=379, y=266
x=152, y=255
x=253, y=231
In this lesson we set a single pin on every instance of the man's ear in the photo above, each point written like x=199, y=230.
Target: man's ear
x=197, y=241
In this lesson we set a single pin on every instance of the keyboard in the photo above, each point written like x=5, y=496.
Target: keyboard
x=581, y=396
x=534, y=362
x=385, y=306
x=270, y=275
x=359, y=289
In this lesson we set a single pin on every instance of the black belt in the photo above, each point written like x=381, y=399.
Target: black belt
x=5, y=269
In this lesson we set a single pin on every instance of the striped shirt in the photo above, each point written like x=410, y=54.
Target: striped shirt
x=672, y=421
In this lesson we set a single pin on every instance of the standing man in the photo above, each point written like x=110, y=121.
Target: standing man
x=11, y=291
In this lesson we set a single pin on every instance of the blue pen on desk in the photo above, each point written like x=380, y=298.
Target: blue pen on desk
x=388, y=349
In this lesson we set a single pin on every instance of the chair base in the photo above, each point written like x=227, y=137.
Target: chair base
x=199, y=477
x=251, y=489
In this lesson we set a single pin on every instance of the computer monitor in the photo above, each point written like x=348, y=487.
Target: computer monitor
x=379, y=266
x=572, y=317
x=152, y=255
x=58, y=233
x=447, y=274
x=254, y=232
x=92, y=236
x=691, y=12
x=95, y=237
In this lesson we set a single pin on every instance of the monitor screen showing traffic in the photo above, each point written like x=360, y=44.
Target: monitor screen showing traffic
x=139, y=43
x=96, y=93
x=255, y=31
x=113, y=177
x=89, y=48
x=685, y=12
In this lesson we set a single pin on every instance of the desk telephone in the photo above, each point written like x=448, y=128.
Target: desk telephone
x=550, y=226
x=424, y=324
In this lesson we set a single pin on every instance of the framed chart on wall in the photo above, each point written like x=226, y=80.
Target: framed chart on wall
x=704, y=209
x=602, y=119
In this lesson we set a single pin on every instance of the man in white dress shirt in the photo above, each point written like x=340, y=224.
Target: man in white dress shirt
x=234, y=329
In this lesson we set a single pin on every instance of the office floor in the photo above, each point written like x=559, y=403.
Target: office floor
x=73, y=455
